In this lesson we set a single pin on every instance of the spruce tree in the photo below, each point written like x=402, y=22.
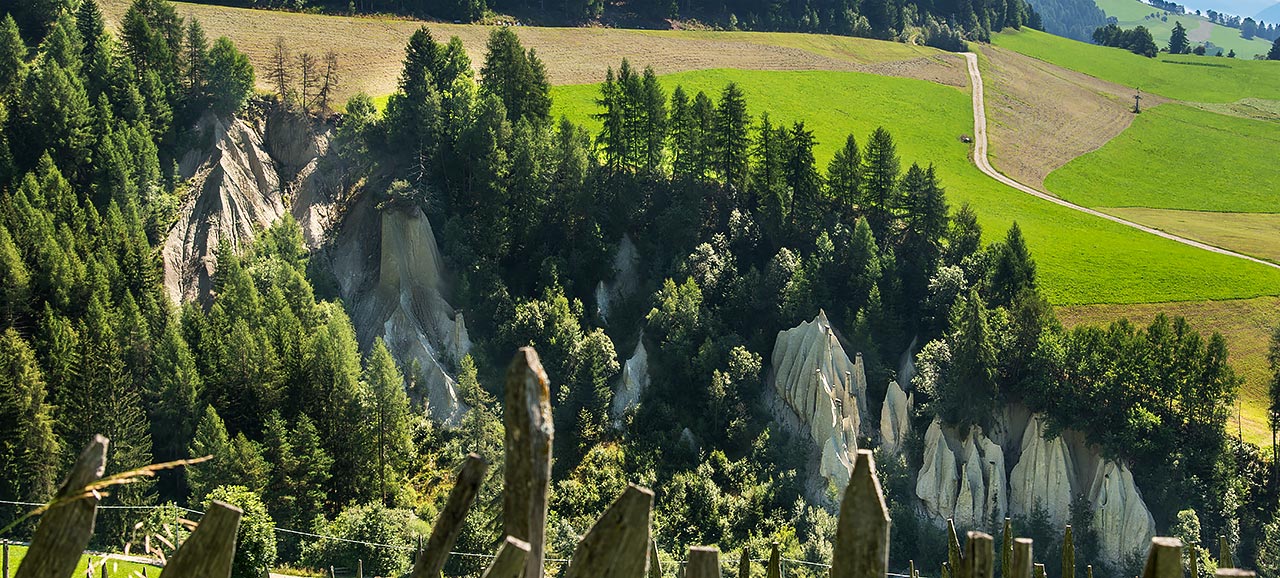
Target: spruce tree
x=880, y=183
x=844, y=175
x=654, y=106
x=171, y=406
x=91, y=26
x=13, y=54
x=211, y=439
x=196, y=60
x=517, y=77
x=703, y=136
x=1274, y=53
x=1013, y=270
x=1178, y=43
x=230, y=77
x=28, y=448
x=732, y=137
x=388, y=414
x=681, y=135
x=803, y=179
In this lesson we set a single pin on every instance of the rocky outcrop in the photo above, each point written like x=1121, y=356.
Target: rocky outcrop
x=1123, y=523
x=1044, y=477
x=938, y=485
x=393, y=284
x=234, y=191
x=962, y=478
x=992, y=459
x=827, y=392
x=635, y=379
x=895, y=418
x=625, y=282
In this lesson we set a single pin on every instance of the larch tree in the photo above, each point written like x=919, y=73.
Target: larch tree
x=388, y=411
x=1273, y=410
x=281, y=70
x=733, y=125
x=12, y=55
x=880, y=183
x=844, y=174
x=211, y=439
x=29, y=453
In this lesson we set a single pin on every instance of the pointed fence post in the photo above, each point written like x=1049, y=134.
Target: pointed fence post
x=1022, y=558
x=954, y=558
x=1006, y=550
x=1164, y=559
x=510, y=561
x=979, y=557
x=360, y=568
x=430, y=562
x=655, y=565
x=1068, y=554
x=209, y=550
x=1224, y=553
x=774, y=570
x=744, y=563
x=65, y=528
x=861, y=549
x=1088, y=571
x=1193, y=556
x=617, y=546
x=529, y=435
x=704, y=562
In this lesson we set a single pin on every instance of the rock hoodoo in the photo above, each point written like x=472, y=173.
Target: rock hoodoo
x=1043, y=477
x=895, y=417
x=938, y=484
x=962, y=478
x=235, y=190
x=827, y=392
x=1122, y=520
x=635, y=379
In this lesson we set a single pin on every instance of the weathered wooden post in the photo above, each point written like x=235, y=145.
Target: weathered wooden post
x=1006, y=550
x=1164, y=559
x=617, y=546
x=775, y=563
x=332, y=574
x=1224, y=553
x=744, y=563
x=529, y=436
x=510, y=561
x=359, y=568
x=979, y=557
x=911, y=569
x=1193, y=560
x=861, y=549
x=704, y=562
x=65, y=528
x=6, y=559
x=209, y=550
x=430, y=562
x=1068, y=554
x=655, y=565
x=1088, y=571
x=1022, y=558
x=954, y=558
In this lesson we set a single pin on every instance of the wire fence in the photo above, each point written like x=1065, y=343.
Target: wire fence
x=784, y=562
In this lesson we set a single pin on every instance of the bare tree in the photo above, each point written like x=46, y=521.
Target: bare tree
x=329, y=79
x=310, y=80
x=281, y=74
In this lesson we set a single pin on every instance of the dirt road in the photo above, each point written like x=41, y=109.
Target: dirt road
x=984, y=164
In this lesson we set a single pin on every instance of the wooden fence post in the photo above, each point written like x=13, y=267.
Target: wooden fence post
x=209, y=550
x=1006, y=550
x=332, y=574
x=444, y=534
x=359, y=568
x=510, y=561
x=704, y=562
x=617, y=546
x=529, y=436
x=1088, y=571
x=1224, y=553
x=979, y=556
x=1068, y=554
x=1234, y=573
x=1022, y=558
x=861, y=549
x=6, y=559
x=105, y=561
x=1164, y=559
x=744, y=563
x=911, y=569
x=775, y=563
x=1193, y=559
x=655, y=565
x=955, y=558
x=65, y=528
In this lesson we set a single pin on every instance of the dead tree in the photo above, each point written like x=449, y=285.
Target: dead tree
x=281, y=73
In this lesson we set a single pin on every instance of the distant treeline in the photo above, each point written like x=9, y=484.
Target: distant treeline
x=1075, y=19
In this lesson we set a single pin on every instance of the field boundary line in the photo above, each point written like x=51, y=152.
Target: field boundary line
x=981, y=159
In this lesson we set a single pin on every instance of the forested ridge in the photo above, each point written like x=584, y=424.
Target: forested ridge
x=738, y=235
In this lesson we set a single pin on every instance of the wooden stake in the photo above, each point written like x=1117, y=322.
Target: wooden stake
x=1006, y=550
x=65, y=529
x=1068, y=554
x=1164, y=559
x=444, y=534
x=209, y=550
x=704, y=562
x=529, y=437
x=775, y=563
x=6, y=559
x=1193, y=556
x=979, y=557
x=911, y=569
x=617, y=546
x=655, y=565
x=1224, y=553
x=954, y=558
x=861, y=549
x=510, y=561
x=744, y=564
x=1088, y=571
x=360, y=568
x=1022, y=557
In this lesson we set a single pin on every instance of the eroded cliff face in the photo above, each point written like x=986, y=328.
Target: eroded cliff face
x=895, y=417
x=631, y=387
x=962, y=478
x=234, y=191
x=1044, y=476
x=825, y=391
x=1123, y=523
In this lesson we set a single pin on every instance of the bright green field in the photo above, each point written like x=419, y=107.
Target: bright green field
x=115, y=568
x=1130, y=13
x=1189, y=158
x=1081, y=259
x=1182, y=77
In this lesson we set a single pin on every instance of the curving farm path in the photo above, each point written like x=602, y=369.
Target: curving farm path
x=981, y=159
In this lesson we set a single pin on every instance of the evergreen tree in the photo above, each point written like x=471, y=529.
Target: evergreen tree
x=413, y=111
x=681, y=135
x=171, y=406
x=773, y=199
x=1013, y=270
x=613, y=134
x=12, y=56
x=246, y=466
x=15, y=281
x=1274, y=53
x=844, y=175
x=732, y=130
x=90, y=25
x=964, y=236
x=196, y=59
x=802, y=178
x=230, y=77
x=211, y=439
x=702, y=145
x=880, y=183
x=389, y=417
x=971, y=392
x=517, y=77
x=28, y=448
x=924, y=216
x=654, y=112
x=1178, y=43
x=1273, y=410
x=54, y=115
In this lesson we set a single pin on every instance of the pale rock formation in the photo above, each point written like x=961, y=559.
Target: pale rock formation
x=635, y=379
x=234, y=191
x=895, y=418
x=971, y=500
x=815, y=378
x=604, y=301
x=626, y=262
x=1043, y=477
x=997, y=499
x=937, y=485
x=1123, y=523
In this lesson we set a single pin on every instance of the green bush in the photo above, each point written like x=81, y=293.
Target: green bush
x=256, y=539
x=367, y=524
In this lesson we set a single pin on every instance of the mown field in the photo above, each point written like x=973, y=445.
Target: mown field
x=1081, y=259
x=1247, y=326
x=114, y=568
x=1181, y=77
x=1130, y=13
x=1186, y=158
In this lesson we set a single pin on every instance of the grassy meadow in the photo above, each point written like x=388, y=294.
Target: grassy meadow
x=1130, y=13
x=114, y=568
x=1081, y=259
x=1190, y=159
x=1180, y=77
